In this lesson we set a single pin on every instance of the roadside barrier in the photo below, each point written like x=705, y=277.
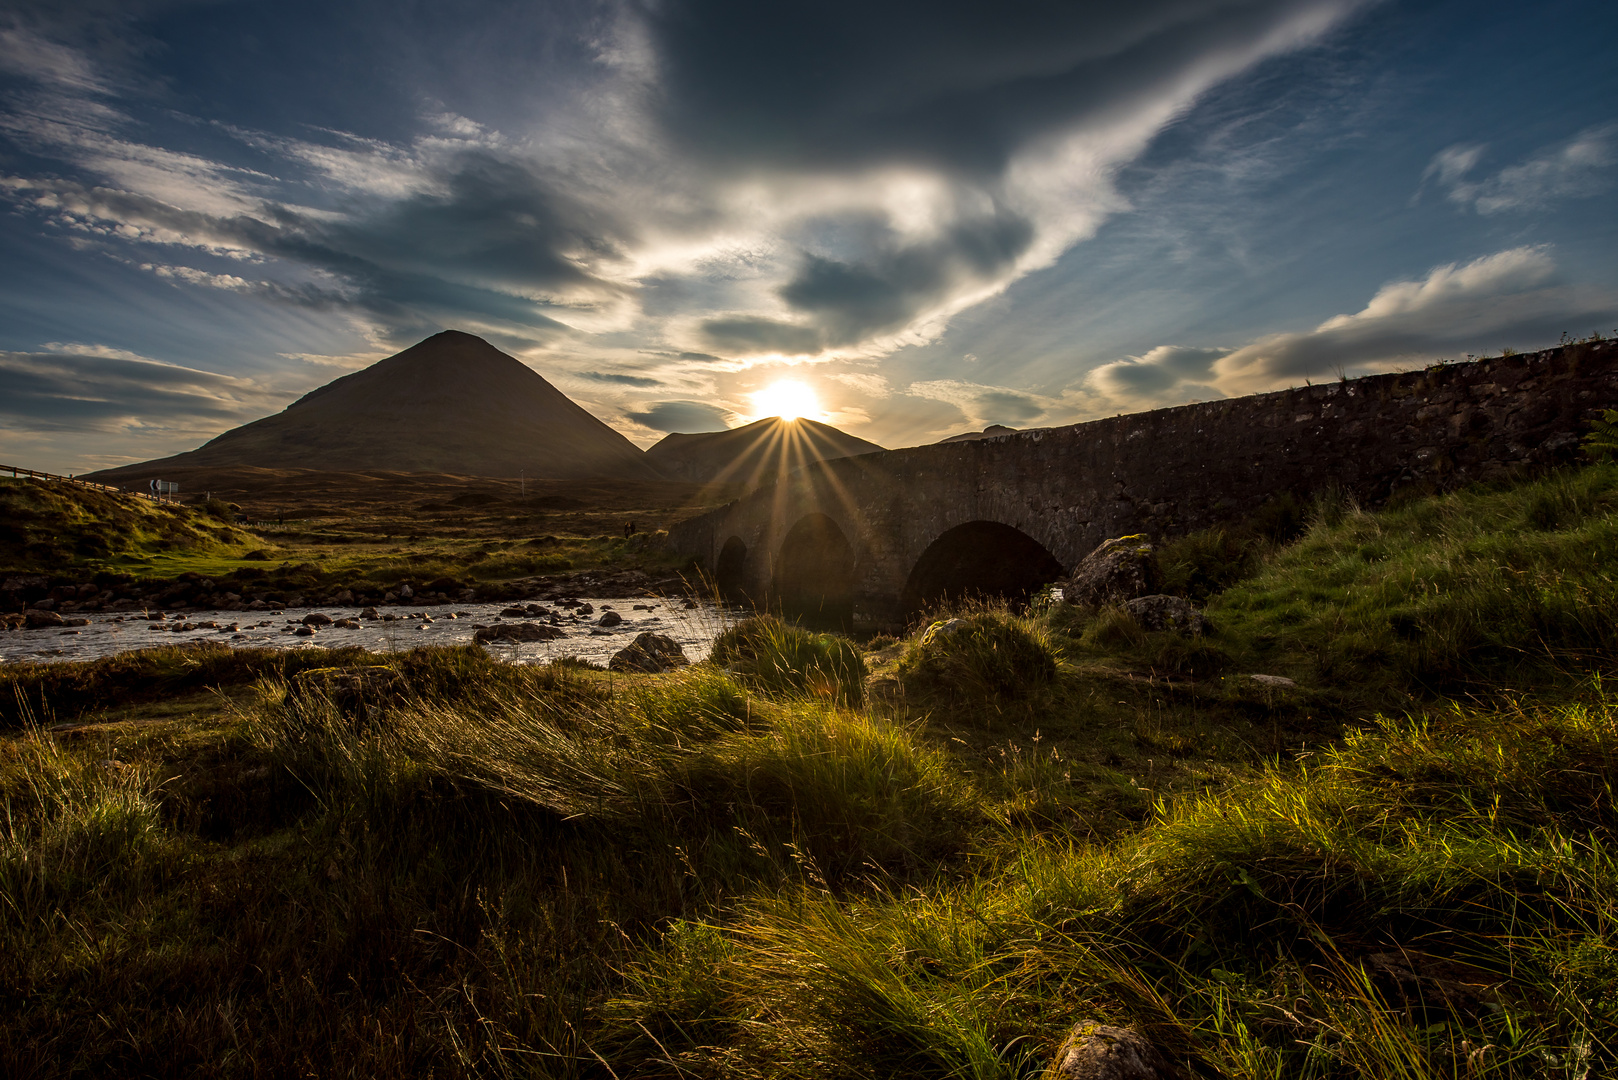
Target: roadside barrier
x=36, y=475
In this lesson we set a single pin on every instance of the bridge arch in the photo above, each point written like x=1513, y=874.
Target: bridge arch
x=978, y=558
x=730, y=568
x=814, y=573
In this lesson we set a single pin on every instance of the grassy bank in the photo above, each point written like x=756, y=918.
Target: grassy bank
x=928, y=858
x=132, y=548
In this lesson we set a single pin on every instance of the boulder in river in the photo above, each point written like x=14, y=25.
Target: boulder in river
x=651, y=654
x=523, y=631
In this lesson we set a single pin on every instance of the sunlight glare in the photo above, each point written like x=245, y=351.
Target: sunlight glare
x=788, y=399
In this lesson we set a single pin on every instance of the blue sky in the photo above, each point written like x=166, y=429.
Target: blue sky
x=937, y=215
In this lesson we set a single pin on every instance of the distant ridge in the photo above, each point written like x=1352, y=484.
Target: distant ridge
x=755, y=454
x=450, y=404
x=987, y=433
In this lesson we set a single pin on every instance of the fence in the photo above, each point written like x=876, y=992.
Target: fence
x=36, y=475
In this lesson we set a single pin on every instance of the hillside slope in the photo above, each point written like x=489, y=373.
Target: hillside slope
x=755, y=454
x=48, y=528
x=450, y=404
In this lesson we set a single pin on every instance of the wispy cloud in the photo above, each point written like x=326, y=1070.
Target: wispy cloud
x=1580, y=167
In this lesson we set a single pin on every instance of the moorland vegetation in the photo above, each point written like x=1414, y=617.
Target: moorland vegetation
x=924, y=855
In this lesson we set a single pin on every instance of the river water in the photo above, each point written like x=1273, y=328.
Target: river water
x=445, y=624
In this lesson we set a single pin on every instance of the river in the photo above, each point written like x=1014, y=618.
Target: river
x=402, y=627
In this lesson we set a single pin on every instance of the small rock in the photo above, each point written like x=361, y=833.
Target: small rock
x=514, y=611
x=346, y=624
x=406, y=592
x=689, y=605
x=369, y=613
x=649, y=653
x=305, y=631
x=315, y=618
x=1274, y=680
x=644, y=607
x=610, y=618
x=1100, y=1052
x=585, y=609
x=38, y=618
x=943, y=631
x=1166, y=613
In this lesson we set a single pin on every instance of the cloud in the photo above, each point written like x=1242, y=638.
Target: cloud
x=91, y=388
x=752, y=334
x=1163, y=368
x=685, y=417
x=851, y=301
x=984, y=405
x=617, y=379
x=1508, y=298
x=1578, y=168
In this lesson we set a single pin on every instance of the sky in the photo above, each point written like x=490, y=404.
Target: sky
x=937, y=216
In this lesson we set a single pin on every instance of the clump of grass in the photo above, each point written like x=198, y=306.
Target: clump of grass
x=780, y=658
x=985, y=655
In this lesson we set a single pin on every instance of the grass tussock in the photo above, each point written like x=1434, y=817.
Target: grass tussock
x=984, y=655
x=778, y=657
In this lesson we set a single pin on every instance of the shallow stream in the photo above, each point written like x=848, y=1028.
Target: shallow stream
x=404, y=627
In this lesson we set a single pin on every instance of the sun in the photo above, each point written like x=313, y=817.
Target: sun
x=788, y=399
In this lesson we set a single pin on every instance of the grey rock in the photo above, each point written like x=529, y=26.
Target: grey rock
x=651, y=654
x=1166, y=613
x=406, y=592
x=1274, y=680
x=524, y=631
x=1095, y=1051
x=1119, y=570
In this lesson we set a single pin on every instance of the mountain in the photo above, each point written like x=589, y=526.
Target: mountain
x=755, y=454
x=450, y=404
x=987, y=433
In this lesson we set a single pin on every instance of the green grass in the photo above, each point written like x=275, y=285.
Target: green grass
x=46, y=526
x=928, y=860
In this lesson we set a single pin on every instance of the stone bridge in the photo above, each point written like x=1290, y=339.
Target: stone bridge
x=869, y=542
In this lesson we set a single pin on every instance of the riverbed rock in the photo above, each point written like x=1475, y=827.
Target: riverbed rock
x=1095, y=1051
x=315, y=618
x=1117, y=571
x=523, y=631
x=650, y=654
x=1161, y=612
x=305, y=631
x=610, y=618
x=40, y=618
